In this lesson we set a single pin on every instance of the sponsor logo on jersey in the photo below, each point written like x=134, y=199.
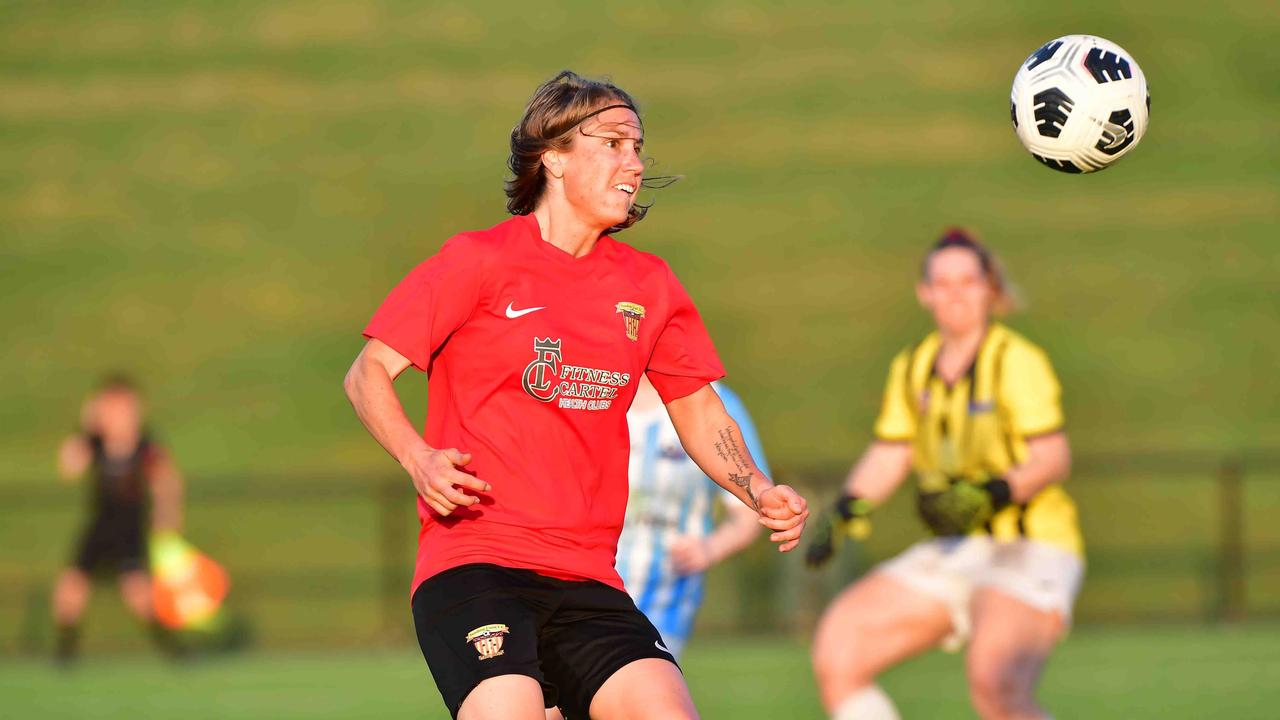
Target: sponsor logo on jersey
x=978, y=408
x=538, y=375
x=487, y=640
x=547, y=377
x=632, y=314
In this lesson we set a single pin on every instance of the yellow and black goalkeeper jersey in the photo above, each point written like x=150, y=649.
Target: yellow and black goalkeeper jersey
x=978, y=428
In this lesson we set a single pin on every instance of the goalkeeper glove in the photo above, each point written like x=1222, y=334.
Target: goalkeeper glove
x=964, y=506
x=847, y=518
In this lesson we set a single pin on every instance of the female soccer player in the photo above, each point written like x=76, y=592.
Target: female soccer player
x=974, y=408
x=133, y=477
x=668, y=541
x=533, y=334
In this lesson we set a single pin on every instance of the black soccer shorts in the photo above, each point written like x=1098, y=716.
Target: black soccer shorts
x=112, y=544
x=480, y=621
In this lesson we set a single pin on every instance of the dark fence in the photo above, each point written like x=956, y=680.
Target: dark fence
x=325, y=562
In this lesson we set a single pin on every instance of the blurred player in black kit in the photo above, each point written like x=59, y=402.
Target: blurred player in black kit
x=136, y=488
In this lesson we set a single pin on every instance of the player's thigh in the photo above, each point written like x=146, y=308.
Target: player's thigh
x=135, y=588
x=648, y=689
x=478, y=623
x=514, y=697
x=874, y=624
x=1011, y=641
x=597, y=638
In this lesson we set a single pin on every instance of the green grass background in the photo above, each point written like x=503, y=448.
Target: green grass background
x=216, y=195
x=1152, y=672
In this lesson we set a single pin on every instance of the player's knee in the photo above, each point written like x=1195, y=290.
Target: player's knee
x=70, y=595
x=994, y=688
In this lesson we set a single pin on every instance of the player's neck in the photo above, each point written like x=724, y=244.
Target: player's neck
x=561, y=226
x=121, y=443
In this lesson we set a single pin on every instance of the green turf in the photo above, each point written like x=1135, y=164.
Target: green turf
x=1125, y=674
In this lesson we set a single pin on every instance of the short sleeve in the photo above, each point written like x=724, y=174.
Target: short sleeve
x=1029, y=391
x=897, y=419
x=738, y=411
x=684, y=358
x=432, y=301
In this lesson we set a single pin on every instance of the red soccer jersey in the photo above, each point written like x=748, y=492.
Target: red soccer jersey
x=532, y=357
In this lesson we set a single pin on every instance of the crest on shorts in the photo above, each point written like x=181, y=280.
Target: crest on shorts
x=632, y=314
x=487, y=640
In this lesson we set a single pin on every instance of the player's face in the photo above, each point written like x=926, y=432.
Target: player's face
x=603, y=167
x=956, y=291
x=118, y=413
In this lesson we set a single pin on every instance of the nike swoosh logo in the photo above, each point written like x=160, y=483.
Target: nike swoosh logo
x=659, y=645
x=513, y=313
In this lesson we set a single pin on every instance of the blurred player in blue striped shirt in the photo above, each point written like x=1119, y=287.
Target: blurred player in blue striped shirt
x=670, y=538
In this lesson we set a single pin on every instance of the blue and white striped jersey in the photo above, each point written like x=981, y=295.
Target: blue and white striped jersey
x=669, y=497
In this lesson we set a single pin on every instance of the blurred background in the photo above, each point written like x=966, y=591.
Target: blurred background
x=215, y=196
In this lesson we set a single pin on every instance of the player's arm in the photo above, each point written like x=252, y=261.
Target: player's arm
x=740, y=525
x=166, y=492
x=878, y=473
x=872, y=480
x=735, y=532
x=1048, y=461
x=368, y=386
x=74, y=457
x=714, y=441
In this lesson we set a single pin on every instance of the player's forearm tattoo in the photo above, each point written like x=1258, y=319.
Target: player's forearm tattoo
x=744, y=482
x=732, y=452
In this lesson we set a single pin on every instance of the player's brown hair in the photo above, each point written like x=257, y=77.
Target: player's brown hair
x=550, y=122
x=1006, y=299
x=118, y=382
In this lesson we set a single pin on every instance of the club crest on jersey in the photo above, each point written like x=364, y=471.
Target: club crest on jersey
x=487, y=640
x=632, y=314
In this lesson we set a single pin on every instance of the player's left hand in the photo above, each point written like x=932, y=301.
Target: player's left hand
x=783, y=511
x=964, y=506
x=690, y=555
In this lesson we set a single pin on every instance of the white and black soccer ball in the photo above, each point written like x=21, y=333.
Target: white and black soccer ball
x=1079, y=103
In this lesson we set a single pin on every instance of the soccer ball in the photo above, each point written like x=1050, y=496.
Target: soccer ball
x=1079, y=103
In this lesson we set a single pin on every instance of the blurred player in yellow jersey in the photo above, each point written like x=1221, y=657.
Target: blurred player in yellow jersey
x=974, y=410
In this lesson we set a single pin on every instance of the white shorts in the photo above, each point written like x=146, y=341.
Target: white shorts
x=1043, y=576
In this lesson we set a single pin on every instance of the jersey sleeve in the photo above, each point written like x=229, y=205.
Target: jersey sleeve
x=897, y=419
x=1029, y=391
x=684, y=358
x=429, y=304
x=738, y=411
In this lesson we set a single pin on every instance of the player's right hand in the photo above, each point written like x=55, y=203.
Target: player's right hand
x=849, y=518
x=438, y=481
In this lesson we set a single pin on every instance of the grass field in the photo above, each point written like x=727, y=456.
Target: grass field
x=1125, y=674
